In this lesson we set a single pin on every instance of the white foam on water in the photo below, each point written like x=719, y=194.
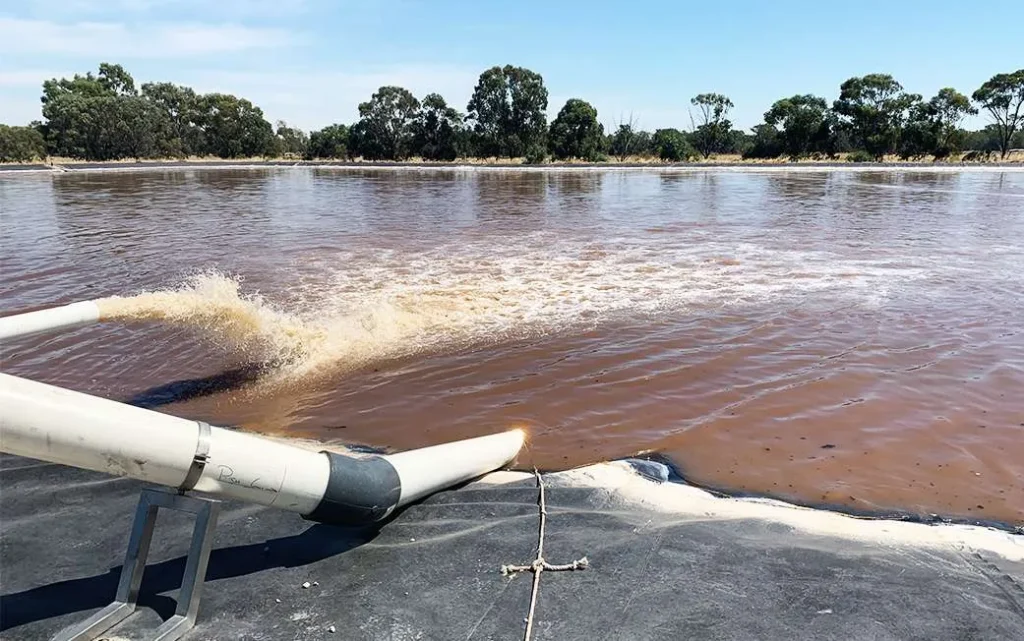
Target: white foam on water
x=622, y=484
x=369, y=305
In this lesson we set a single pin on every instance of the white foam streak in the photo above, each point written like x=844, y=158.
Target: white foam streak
x=372, y=305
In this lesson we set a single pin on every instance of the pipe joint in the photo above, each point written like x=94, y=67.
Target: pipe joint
x=359, y=491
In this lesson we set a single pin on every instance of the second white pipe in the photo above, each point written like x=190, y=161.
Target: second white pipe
x=45, y=320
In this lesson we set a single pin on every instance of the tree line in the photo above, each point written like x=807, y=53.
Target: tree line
x=104, y=116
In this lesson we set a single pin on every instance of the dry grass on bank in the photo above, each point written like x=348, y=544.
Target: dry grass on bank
x=1015, y=156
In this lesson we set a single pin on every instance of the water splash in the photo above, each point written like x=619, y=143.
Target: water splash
x=213, y=305
x=296, y=344
x=399, y=304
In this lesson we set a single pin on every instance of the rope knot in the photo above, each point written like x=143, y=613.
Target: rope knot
x=539, y=564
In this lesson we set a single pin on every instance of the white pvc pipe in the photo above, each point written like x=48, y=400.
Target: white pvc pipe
x=422, y=472
x=71, y=428
x=65, y=317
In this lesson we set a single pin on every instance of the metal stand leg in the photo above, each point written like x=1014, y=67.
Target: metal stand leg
x=150, y=501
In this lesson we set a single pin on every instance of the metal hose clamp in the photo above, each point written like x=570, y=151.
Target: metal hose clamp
x=198, y=459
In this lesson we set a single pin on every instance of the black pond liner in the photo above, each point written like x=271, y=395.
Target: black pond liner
x=432, y=572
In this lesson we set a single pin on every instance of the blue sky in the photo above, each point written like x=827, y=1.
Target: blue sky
x=310, y=62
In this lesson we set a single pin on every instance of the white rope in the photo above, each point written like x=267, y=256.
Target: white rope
x=539, y=564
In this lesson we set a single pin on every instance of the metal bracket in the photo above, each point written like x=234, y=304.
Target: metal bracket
x=199, y=459
x=150, y=501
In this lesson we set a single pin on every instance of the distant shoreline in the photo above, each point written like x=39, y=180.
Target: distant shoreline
x=82, y=166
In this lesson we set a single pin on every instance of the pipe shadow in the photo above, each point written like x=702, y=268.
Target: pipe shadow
x=314, y=544
x=190, y=388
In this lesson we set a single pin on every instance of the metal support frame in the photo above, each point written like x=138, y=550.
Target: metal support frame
x=150, y=501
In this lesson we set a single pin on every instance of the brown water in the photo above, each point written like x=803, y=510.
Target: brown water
x=851, y=338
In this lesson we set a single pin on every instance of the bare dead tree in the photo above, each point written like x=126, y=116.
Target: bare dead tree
x=625, y=137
